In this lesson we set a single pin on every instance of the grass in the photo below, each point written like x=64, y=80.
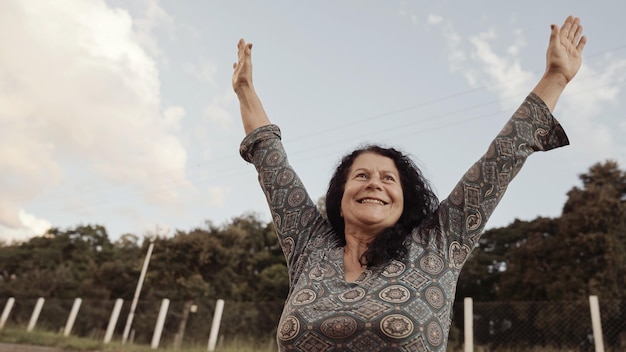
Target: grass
x=73, y=343
x=44, y=338
x=233, y=346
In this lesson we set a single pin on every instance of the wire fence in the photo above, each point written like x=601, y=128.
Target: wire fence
x=558, y=326
x=498, y=326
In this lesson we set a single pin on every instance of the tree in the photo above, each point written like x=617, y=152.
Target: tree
x=216, y=262
x=507, y=262
x=568, y=258
x=59, y=264
x=599, y=205
x=118, y=275
x=592, y=230
x=530, y=264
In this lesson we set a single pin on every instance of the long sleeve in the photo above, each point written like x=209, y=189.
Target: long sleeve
x=464, y=213
x=295, y=216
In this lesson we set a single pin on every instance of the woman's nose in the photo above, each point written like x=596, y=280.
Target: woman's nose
x=374, y=183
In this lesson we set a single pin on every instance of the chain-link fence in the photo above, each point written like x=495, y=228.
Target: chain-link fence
x=542, y=326
x=498, y=326
x=254, y=321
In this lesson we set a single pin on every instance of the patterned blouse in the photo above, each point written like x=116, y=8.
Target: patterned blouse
x=406, y=304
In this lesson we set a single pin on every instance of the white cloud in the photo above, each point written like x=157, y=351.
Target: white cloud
x=153, y=16
x=204, y=71
x=218, y=113
x=79, y=79
x=410, y=16
x=217, y=196
x=502, y=74
x=482, y=66
x=457, y=58
x=172, y=117
x=28, y=226
x=519, y=43
x=434, y=19
x=152, y=229
x=589, y=96
x=34, y=224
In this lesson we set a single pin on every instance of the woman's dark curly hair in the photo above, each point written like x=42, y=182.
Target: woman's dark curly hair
x=420, y=204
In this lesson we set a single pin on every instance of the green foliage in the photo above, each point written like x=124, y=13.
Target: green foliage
x=568, y=258
x=60, y=264
x=241, y=260
x=581, y=253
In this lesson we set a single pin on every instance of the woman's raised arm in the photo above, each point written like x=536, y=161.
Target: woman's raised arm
x=252, y=113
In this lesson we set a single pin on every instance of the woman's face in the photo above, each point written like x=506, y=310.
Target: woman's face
x=372, y=198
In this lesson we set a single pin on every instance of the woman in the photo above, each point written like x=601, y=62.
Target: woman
x=380, y=273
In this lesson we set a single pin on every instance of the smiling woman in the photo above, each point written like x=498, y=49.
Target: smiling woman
x=372, y=197
x=379, y=272
x=407, y=194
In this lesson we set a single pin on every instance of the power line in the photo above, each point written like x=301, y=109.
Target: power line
x=322, y=150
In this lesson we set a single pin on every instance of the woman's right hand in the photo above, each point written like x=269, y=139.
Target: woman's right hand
x=253, y=115
x=242, y=75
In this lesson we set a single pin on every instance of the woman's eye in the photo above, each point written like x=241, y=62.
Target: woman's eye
x=390, y=178
x=361, y=175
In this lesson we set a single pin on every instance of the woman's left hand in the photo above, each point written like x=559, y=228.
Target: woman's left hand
x=564, y=55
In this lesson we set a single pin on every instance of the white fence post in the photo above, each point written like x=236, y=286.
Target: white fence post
x=35, y=316
x=5, y=313
x=215, y=326
x=115, y=314
x=158, y=328
x=596, y=323
x=468, y=323
x=72, y=318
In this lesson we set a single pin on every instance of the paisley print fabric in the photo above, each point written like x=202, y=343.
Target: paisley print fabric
x=405, y=305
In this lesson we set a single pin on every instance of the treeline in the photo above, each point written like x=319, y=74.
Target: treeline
x=568, y=258
x=554, y=261
x=240, y=260
x=581, y=253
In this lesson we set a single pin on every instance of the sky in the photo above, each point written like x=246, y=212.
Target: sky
x=122, y=114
